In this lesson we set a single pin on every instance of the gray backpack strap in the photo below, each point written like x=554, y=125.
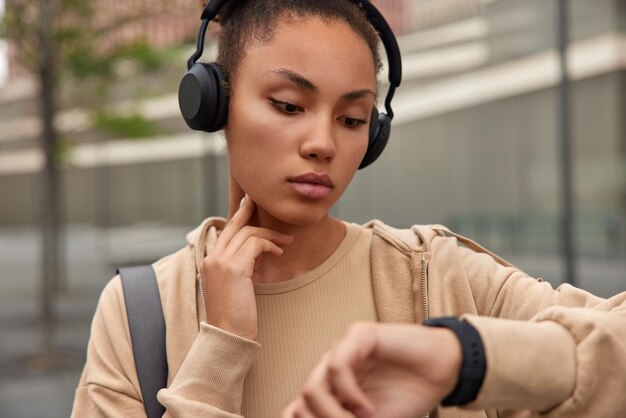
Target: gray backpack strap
x=147, y=333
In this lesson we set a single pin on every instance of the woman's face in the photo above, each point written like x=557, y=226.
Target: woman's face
x=299, y=115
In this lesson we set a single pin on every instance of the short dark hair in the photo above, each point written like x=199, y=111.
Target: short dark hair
x=247, y=21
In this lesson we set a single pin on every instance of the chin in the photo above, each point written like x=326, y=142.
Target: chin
x=301, y=214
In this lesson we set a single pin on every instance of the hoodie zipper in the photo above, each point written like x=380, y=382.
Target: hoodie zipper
x=425, y=286
x=425, y=294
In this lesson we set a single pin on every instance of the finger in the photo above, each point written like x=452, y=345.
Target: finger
x=323, y=404
x=253, y=248
x=301, y=410
x=235, y=193
x=247, y=232
x=317, y=395
x=356, y=346
x=350, y=353
x=238, y=221
x=289, y=411
x=349, y=394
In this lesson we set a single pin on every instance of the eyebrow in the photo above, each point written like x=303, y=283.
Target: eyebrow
x=301, y=81
x=295, y=78
x=358, y=94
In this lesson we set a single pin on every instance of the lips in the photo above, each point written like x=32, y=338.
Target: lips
x=313, y=178
x=312, y=185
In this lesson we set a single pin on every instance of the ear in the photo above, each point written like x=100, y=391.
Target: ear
x=235, y=193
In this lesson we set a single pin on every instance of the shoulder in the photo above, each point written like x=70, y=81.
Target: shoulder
x=175, y=275
x=176, y=280
x=175, y=271
x=417, y=238
x=433, y=238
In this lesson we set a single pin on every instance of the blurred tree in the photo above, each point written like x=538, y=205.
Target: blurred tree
x=77, y=43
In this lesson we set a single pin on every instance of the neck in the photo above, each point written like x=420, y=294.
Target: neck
x=312, y=245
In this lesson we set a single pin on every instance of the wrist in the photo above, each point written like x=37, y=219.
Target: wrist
x=225, y=324
x=451, y=354
x=237, y=331
x=473, y=365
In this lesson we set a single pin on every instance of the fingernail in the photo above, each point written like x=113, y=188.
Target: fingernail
x=243, y=200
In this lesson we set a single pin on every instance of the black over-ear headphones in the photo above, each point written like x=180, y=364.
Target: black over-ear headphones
x=204, y=102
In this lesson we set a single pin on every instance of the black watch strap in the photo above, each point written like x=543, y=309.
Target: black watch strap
x=474, y=364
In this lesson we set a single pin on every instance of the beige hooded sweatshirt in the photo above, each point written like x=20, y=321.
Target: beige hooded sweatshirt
x=560, y=353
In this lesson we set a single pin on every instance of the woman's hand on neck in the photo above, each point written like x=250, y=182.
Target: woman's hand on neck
x=311, y=246
x=312, y=243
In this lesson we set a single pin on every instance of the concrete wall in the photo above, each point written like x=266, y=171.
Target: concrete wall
x=484, y=170
x=499, y=160
x=490, y=170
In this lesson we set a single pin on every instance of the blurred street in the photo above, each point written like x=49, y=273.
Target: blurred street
x=90, y=264
x=91, y=261
x=477, y=144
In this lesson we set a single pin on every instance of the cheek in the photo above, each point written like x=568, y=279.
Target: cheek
x=254, y=150
x=352, y=154
x=247, y=160
x=252, y=127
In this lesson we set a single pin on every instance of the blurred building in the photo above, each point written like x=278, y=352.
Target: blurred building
x=4, y=54
x=478, y=114
x=162, y=24
x=474, y=143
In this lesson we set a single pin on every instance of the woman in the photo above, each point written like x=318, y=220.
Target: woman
x=253, y=302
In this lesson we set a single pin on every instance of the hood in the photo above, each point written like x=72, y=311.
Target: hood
x=202, y=239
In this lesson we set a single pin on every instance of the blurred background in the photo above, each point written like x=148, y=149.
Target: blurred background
x=509, y=128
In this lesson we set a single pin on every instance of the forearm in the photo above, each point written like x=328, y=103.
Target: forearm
x=531, y=365
x=210, y=380
x=556, y=352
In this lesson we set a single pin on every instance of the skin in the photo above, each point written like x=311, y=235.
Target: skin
x=264, y=138
x=383, y=371
x=270, y=141
x=300, y=103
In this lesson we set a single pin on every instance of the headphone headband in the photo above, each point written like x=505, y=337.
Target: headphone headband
x=212, y=8
x=376, y=19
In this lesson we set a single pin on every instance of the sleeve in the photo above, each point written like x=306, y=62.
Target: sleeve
x=559, y=352
x=210, y=380
x=109, y=387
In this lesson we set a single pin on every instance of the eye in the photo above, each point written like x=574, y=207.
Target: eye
x=352, y=122
x=286, y=107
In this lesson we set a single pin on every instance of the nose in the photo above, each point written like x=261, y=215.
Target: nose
x=320, y=142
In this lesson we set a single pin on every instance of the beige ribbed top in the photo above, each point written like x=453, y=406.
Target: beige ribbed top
x=299, y=319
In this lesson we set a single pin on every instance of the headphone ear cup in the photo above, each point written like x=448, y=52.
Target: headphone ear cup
x=380, y=128
x=202, y=98
x=221, y=93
